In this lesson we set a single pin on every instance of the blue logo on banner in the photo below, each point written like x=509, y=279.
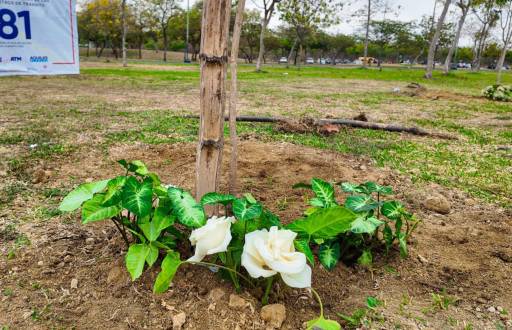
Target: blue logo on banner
x=38, y=59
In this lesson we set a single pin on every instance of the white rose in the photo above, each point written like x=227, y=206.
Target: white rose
x=267, y=253
x=213, y=237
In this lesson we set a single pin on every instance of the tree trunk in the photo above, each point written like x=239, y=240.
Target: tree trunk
x=291, y=52
x=499, y=66
x=262, y=44
x=123, y=32
x=366, y=39
x=165, y=44
x=455, y=44
x=233, y=98
x=213, y=57
x=435, y=39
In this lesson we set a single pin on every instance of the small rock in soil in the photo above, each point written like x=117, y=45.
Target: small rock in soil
x=422, y=259
x=40, y=263
x=74, y=283
x=274, y=315
x=116, y=276
x=438, y=203
x=89, y=241
x=491, y=309
x=216, y=294
x=178, y=320
x=236, y=301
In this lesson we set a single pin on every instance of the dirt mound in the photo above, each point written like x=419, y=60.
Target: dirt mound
x=73, y=275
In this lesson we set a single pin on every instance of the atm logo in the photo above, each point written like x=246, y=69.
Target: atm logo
x=11, y=59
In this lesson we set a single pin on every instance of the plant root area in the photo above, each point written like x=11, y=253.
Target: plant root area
x=70, y=276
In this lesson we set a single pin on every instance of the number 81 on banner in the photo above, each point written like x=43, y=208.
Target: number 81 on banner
x=8, y=24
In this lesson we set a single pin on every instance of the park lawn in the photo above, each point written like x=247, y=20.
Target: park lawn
x=122, y=105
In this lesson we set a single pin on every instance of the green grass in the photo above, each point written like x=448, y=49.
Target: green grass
x=465, y=81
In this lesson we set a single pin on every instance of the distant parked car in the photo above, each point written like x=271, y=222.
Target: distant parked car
x=321, y=61
x=454, y=66
x=310, y=60
x=328, y=61
x=283, y=60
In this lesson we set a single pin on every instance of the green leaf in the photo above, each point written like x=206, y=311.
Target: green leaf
x=152, y=255
x=216, y=198
x=154, y=228
x=349, y=187
x=392, y=210
x=302, y=185
x=242, y=227
x=82, y=193
x=268, y=219
x=170, y=266
x=402, y=243
x=114, y=188
x=93, y=210
x=155, y=179
x=364, y=225
x=137, y=197
x=329, y=255
x=361, y=203
x=139, y=167
x=250, y=198
x=366, y=259
x=135, y=259
x=324, y=192
x=243, y=210
x=186, y=209
x=302, y=245
x=389, y=237
x=325, y=223
x=372, y=302
x=322, y=324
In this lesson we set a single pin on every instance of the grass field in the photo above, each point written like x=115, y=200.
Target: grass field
x=140, y=104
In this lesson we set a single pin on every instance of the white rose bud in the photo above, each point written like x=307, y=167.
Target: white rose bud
x=267, y=253
x=213, y=237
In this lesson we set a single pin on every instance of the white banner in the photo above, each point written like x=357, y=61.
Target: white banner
x=38, y=37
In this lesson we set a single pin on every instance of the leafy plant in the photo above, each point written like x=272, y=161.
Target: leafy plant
x=364, y=223
x=498, y=93
x=150, y=217
x=363, y=316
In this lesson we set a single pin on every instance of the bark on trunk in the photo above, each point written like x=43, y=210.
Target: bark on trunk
x=435, y=39
x=262, y=44
x=123, y=32
x=366, y=39
x=213, y=57
x=455, y=44
x=233, y=99
x=499, y=66
x=165, y=44
x=291, y=52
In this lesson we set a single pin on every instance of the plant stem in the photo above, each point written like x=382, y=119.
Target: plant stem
x=208, y=264
x=270, y=281
x=125, y=238
x=378, y=207
x=317, y=296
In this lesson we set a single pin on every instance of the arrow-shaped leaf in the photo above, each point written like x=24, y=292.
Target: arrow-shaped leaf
x=82, y=193
x=137, y=197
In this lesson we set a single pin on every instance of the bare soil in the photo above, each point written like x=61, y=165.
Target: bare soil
x=468, y=253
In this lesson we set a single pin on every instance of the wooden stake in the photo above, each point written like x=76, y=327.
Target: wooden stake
x=233, y=98
x=213, y=58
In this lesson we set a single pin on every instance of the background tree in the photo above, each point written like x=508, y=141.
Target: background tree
x=464, y=6
x=486, y=12
x=435, y=39
x=142, y=20
x=305, y=15
x=251, y=31
x=506, y=35
x=268, y=7
x=163, y=11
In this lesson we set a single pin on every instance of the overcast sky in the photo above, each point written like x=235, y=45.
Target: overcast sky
x=406, y=10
